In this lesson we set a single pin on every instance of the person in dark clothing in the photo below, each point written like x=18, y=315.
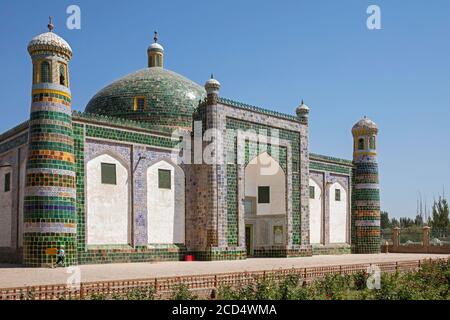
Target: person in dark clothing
x=60, y=256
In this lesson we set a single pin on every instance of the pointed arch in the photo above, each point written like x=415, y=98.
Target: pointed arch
x=165, y=202
x=338, y=213
x=108, y=218
x=6, y=204
x=315, y=212
x=265, y=177
x=45, y=72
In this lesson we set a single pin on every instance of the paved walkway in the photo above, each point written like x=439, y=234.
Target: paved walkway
x=11, y=276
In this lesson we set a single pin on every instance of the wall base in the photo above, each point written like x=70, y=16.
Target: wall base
x=11, y=255
x=331, y=249
x=125, y=254
x=215, y=254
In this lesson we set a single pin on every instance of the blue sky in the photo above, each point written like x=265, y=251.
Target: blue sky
x=272, y=54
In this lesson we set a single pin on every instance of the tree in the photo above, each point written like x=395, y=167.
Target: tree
x=384, y=219
x=419, y=220
x=440, y=217
x=406, y=222
x=395, y=223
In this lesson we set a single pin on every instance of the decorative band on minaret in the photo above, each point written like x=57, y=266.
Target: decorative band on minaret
x=50, y=190
x=366, y=190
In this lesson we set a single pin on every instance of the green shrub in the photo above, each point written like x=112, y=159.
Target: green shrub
x=181, y=292
x=288, y=287
x=360, y=280
x=98, y=296
x=226, y=292
x=141, y=294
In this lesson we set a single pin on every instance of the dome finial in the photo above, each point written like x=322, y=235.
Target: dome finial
x=50, y=25
x=212, y=76
x=155, y=38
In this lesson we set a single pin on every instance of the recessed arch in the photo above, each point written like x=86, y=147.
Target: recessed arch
x=264, y=171
x=165, y=203
x=338, y=213
x=6, y=204
x=315, y=213
x=108, y=204
x=45, y=72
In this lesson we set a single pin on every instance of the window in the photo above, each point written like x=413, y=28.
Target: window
x=295, y=166
x=264, y=194
x=164, y=179
x=62, y=75
x=312, y=192
x=361, y=144
x=372, y=143
x=45, y=72
x=34, y=73
x=109, y=173
x=139, y=104
x=249, y=206
x=7, y=182
x=158, y=60
x=277, y=234
x=337, y=195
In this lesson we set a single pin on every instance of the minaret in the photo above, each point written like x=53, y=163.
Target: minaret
x=155, y=53
x=302, y=112
x=366, y=191
x=50, y=191
x=212, y=87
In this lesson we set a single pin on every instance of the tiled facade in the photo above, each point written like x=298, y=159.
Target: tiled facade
x=57, y=144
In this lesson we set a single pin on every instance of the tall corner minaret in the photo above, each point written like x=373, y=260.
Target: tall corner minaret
x=50, y=190
x=366, y=190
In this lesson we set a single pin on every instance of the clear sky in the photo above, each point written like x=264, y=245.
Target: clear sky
x=271, y=54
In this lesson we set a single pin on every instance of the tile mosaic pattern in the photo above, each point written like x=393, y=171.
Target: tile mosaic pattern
x=366, y=192
x=49, y=202
x=170, y=98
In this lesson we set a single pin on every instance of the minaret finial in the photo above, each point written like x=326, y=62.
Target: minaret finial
x=155, y=38
x=50, y=24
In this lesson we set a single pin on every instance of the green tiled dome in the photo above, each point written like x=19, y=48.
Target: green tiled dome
x=170, y=99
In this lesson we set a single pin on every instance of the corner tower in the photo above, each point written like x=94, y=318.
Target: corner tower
x=50, y=192
x=366, y=191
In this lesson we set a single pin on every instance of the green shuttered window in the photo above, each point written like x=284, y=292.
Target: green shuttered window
x=7, y=187
x=109, y=173
x=263, y=194
x=164, y=179
x=337, y=195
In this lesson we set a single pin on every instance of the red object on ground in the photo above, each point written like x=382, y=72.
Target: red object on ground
x=189, y=257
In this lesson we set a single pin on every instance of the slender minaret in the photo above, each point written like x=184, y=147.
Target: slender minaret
x=155, y=53
x=366, y=192
x=50, y=191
